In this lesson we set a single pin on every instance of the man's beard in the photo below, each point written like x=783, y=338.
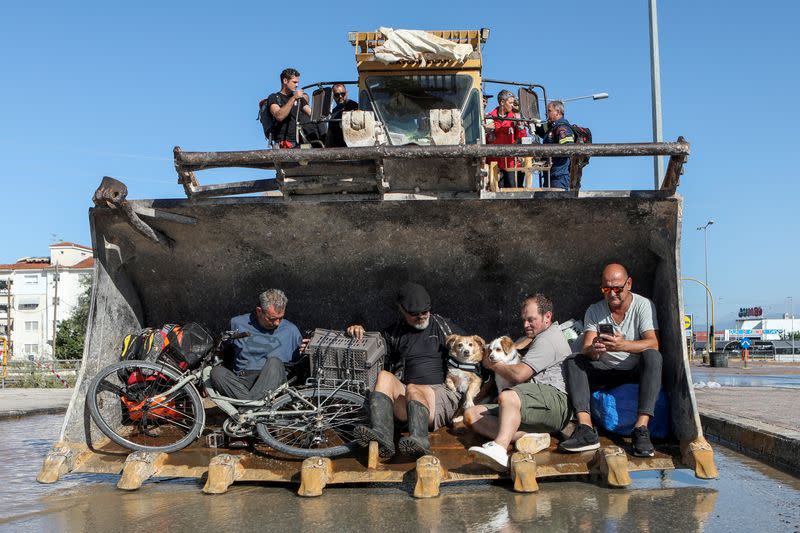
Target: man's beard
x=422, y=326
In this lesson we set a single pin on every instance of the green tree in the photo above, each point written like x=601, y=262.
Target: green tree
x=72, y=331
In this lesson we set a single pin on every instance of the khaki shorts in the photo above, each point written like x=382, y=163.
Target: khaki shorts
x=545, y=409
x=447, y=403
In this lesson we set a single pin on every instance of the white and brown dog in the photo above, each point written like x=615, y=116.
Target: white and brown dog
x=502, y=351
x=463, y=366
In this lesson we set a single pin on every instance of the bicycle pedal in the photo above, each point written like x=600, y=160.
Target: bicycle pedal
x=215, y=440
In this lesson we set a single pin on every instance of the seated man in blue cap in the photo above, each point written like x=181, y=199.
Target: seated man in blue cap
x=412, y=389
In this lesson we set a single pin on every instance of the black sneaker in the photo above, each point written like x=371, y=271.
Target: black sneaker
x=642, y=447
x=583, y=439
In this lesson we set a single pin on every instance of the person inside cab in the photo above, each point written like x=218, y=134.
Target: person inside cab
x=335, y=138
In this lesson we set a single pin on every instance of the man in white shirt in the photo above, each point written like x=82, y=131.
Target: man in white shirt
x=620, y=346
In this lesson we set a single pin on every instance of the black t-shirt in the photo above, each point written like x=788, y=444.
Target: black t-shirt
x=335, y=136
x=421, y=353
x=286, y=129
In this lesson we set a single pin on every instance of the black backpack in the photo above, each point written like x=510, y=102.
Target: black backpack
x=580, y=134
x=266, y=119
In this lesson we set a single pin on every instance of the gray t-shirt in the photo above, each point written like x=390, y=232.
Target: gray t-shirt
x=640, y=317
x=546, y=355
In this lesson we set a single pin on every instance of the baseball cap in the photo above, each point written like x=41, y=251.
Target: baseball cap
x=414, y=298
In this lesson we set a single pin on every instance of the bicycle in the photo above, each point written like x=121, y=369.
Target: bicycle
x=157, y=407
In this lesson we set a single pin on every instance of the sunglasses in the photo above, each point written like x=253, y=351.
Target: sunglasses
x=339, y=95
x=417, y=315
x=615, y=290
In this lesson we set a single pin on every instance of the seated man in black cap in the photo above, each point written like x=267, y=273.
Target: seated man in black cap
x=413, y=390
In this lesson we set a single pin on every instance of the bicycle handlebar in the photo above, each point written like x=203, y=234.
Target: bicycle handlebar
x=231, y=335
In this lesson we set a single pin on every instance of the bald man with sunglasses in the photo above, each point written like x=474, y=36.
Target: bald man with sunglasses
x=335, y=138
x=620, y=346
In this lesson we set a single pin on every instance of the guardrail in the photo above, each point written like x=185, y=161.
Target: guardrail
x=40, y=374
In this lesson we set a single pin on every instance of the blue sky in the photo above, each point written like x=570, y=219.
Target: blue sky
x=93, y=88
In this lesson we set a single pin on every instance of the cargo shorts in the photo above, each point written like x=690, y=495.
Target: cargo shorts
x=544, y=409
x=447, y=403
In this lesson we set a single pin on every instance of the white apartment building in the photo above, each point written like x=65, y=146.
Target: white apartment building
x=28, y=297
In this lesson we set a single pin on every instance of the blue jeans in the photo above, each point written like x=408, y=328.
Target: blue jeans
x=562, y=181
x=511, y=178
x=585, y=375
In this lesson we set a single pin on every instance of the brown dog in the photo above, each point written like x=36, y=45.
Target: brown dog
x=463, y=366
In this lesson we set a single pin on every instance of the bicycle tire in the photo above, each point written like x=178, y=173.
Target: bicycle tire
x=292, y=435
x=122, y=411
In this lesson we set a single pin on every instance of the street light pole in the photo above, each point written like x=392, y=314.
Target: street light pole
x=709, y=328
x=595, y=96
x=655, y=89
x=708, y=293
x=791, y=306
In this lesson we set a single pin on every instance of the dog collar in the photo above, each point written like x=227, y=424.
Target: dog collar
x=469, y=367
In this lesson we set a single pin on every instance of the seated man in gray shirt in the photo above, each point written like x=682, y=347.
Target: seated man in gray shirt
x=620, y=346
x=537, y=402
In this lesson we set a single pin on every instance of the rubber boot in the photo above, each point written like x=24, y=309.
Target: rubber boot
x=381, y=414
x=416, y=444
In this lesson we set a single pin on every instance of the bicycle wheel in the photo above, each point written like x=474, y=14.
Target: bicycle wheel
x=126, y=402
x=324, y=430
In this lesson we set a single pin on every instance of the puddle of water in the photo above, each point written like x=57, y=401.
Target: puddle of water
x=749, y=496
x=738, y=380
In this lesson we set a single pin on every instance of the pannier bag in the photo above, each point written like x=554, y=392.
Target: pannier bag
x=188, y=344
x=181, y=346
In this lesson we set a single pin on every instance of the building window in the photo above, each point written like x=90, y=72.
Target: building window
x=31, y=279
x=28, y=306
x=32, y=349
x=3, y=308
x=31, y=325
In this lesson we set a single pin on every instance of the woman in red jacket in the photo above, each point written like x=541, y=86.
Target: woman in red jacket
x=500, y=131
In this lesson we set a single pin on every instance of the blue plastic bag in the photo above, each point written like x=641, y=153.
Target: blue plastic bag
x=615, y=410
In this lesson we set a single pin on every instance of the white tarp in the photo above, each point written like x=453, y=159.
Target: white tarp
x=409, y=45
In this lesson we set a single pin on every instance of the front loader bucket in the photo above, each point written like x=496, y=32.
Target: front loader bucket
x=341, y=261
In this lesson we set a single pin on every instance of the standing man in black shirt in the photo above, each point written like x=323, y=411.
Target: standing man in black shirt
x=343, y=103
x=413, y=388
x=285, y=107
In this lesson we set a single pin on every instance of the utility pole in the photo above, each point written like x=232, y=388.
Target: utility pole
x=709, y=327
x=55, y=309
x=791, y=314
x=655, y=90
x=8, y=319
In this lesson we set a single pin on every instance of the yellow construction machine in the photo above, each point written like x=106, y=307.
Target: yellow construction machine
x=339, y=229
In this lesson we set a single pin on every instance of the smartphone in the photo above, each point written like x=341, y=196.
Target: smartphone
x=606, y=329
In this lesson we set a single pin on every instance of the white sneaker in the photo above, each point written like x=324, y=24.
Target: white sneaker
x=492, y=455
x=533, y=442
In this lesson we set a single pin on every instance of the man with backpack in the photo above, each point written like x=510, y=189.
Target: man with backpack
x=258, y=360
x=412, y=389
x=558, y=131
x=280, y=113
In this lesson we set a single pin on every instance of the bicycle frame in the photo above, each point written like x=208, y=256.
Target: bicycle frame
x=229, y=405
x=200, y=378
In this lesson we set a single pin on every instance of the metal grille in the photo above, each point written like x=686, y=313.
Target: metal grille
x=335, y=358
